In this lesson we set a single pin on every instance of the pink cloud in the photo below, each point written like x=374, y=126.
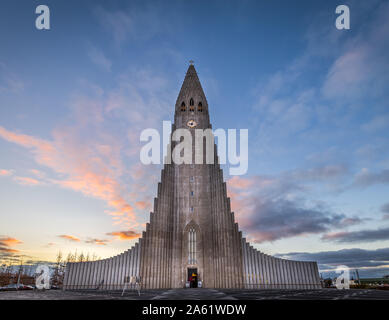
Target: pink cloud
x=26, y=181
x=125, y=235
x=5, y=173
x=69, y=237
x=9, y=242
x=82, y=168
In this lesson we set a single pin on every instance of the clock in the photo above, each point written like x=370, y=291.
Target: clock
x=191, y=124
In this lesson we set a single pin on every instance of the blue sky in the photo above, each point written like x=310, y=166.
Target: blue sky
x=74, y=99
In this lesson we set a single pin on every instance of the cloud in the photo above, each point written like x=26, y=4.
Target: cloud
x=69, y=237
x=37, y=173
x=9, y=82
x=96, y=151
x=370, y=263
x=9, y=242
x=6, y=244
x=8, y=250
x=5, y=173
x=135, y=22
x=142, y=205
x=82, y=169
x=26, y=181
x=365, y=178
x=125, y=235
x=119, y=23
x=358, y=236
x=270, y=208
x=98, y=58
x=100, y=242
x=385, y=209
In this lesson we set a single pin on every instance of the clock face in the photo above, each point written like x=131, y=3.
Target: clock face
x=191, y=124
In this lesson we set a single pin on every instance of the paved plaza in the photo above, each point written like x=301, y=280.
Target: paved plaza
x=200, y=294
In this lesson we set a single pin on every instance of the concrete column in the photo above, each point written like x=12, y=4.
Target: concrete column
x=76, y=274
x=132, y=261
x=70, y=275
x=92, y=275
x=275, y=276
x=139, y=249
x=291, y=279
x=257, y=271
x=303, y=273
x=271, y=272
x=277, y=279
x=300, y=275
x=284, y=268
x=115, y=272
x=278, y=269
x=254, y=261
x=96, y=279
x=293, y=266
x=108, y=272
x=118, y=278
x=127, y=272
x=249, y=270
x=280, y=273
x=293, y=274
x=110, y=267
x=87, y=274
x=81, y=279
x=267, y=270
x=103, y=277
x=311, y=276
x=81, y=275
x=261, y=270
x=250, y=265
x=244, y=263
x=316, y=275
x=287, y=273
x=122, y=269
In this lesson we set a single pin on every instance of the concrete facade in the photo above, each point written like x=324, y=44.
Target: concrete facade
x=192, y=218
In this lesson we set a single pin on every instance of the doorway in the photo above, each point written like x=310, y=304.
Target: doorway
x=193, y=277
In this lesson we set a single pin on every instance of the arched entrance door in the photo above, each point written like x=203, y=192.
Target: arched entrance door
x=192, y=257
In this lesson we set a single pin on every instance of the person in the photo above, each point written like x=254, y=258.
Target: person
x=191, y=282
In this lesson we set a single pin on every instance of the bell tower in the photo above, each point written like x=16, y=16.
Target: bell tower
x=192, y=231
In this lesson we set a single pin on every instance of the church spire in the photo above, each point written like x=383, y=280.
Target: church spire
x=191, y=87
x=191, y=101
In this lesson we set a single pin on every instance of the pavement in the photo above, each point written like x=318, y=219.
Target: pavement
x=200, y=294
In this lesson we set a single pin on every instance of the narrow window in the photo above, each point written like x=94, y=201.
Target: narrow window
x=192, y=193
x=191, y=105
x=183, y=107
x=192, y=246
x=200, y=107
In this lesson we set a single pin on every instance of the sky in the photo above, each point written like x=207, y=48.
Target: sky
x=74, y=100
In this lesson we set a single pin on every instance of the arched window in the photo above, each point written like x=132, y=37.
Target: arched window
x=192, y=246
x=200, y=107
x=191, y=105
x=183, y=107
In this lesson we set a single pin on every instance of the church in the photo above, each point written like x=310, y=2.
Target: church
x=192, y=238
